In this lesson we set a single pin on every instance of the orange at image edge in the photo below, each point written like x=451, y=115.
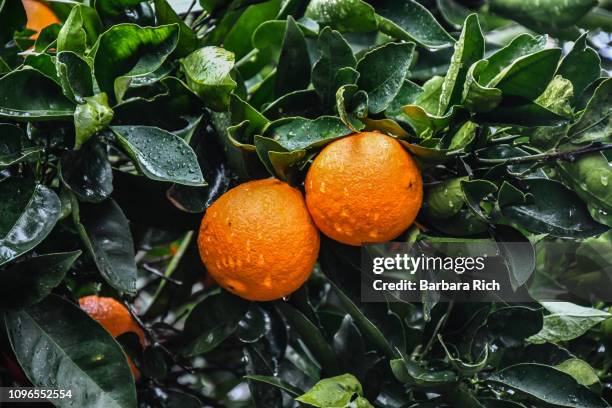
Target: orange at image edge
x=39, y=16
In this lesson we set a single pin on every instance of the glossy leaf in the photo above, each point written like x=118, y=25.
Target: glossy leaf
x=74, y=75
x=546, y=385
x=56, y=333
x=87, y=172
x=91, y=117
x=44, y=100
x=300, y=133
x=80, y=30
x=293, y=70
x=29, y=281
x=595, y=123
x=29, y=213
x=343, y=15
x=176, y=162
x=208, y=72
x=581, y=66
x=382, y=73
x=106, y=234
x=127, y=51
x=337, y=391
x=187, y=40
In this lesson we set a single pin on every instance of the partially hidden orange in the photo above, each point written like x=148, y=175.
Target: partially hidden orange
x=364, y=188
x=115, y=318
x=39, y=16
x=258, y=240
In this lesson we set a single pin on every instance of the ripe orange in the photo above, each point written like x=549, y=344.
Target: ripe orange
x=39, y=16
x=114, y=317
x=364, y=188
x=258, y=240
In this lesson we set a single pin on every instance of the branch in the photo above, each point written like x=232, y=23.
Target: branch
x=569, y=156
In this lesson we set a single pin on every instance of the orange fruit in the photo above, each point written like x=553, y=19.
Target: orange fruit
x=364, y=188
x=39, y=16
x=258, y=240
x=115, y=318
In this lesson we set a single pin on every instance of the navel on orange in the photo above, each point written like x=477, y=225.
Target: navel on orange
x=258, y=240
x=364, y=188
x=114, y=317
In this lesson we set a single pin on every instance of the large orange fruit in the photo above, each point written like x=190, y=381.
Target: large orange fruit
x=114, y=317
x=258, y=240
x=364, y=188
x=39, y=16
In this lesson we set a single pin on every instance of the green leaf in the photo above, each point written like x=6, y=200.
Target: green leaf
x=468, y=50
x=126, y=52
x=300, y=133
x=311, y=336
x=343, y=15
x=474, y=192
x=556, y=98
x=212, y=321
x=277, y=382
x=407, y=95
x=91, y=117
x=29, y=281
x=466, y=368
x=512, y=112
x=74, y=76
x=382, y=73
x=522, y=45
x=87, y=172
x=43, y=101
x=187, y=41
x=582, y=372
x=567, y=321
x=208, y=73
x=555, y=210
x=13, y=17
x=90, y=359
x=546, y=385
x=245, y=26
x=80, y=30
x=589, y=177
x=106, y=233
x=549, y=15
x=293, y=70
x=335, y=55
x=346, y=98
x=528, y=76
x=410, y=21
x=517, y=252
x=29, y=213
x=581, y=66
x=413, y=374
x=12, y=148
x=334, y=392
x=595, y=123
x=478, y=98
x=176, y=162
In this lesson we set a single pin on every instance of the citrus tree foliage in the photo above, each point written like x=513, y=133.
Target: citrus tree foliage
x=121, y=125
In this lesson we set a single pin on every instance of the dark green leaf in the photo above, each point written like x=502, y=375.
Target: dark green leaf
x=187, y=40
x=293, y=70
x=410, y=21
x=56, y=333
x=12, y=148
x=277, y=382
x=176, y=162
x=300, y=133
x=31, y=280
x=335, y=55
x=581, y=66
x=106, y=233
x=589, y=177
x=126, y=52
x=413, y=374
x=444, y=200
x=567, y=321
x=556, y=211
x=43, y=101
x=87, y=172
x=517, y=253
x=80, y=30
x=29, y=213
x=343, y=15
x=546, y=385
x=211, y=321
x=13, y=17
x=382, y=73
x=595, y=123
x=74, y=75
x=520, y=113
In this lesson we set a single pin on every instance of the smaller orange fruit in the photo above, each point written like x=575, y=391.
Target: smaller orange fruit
x=258, y=240
x=39, y=16
x=364, y=188
x=115, y=318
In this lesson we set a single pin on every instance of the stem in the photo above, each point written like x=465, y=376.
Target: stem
x=547, y=157
x=437, y=330
x=247, y=58
x=161, y=275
